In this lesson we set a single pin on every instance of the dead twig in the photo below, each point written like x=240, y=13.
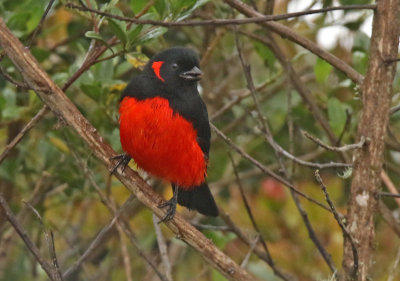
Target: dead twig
x=346, y=233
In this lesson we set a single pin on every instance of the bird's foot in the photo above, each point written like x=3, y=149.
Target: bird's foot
x=171, y=204
x=123, y=159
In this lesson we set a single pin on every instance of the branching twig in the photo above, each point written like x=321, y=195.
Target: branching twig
x=343, y=148
x=251, y=250
x=346, y=233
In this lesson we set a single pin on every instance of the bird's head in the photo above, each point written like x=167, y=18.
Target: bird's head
x=178, y=66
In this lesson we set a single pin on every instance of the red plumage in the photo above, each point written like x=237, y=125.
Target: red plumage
x=162, y=142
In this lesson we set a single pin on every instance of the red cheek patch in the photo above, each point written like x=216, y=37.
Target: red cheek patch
x=156, y=66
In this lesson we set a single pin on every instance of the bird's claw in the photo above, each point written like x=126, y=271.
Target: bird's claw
x=171, y=204
x=123, y=159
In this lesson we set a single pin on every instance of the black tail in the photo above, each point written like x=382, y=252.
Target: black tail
x=198, y=198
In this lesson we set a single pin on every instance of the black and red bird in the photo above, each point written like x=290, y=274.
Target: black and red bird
x=164, y=127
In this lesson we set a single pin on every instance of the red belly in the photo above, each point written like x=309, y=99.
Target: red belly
x=161, y=142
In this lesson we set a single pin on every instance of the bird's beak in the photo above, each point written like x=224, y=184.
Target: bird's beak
x=193, y=75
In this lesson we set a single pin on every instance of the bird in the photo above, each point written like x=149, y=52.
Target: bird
x=164, y=127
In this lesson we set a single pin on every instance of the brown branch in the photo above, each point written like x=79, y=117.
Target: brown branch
x=219, y=22
x=24, y=236
x=367, y=165
x=54, y=97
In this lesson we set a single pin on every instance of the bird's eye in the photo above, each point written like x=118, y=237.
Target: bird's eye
x=175, y=66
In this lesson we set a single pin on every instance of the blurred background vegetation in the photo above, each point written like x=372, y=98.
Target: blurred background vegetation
x=53, y=170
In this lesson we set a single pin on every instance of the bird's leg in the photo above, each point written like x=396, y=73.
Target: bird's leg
x=171, y=204
x=123, y=159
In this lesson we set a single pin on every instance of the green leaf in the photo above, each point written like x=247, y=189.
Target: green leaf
x=360, y=61
x=265, y=53
x=92, y=90
x=336, y=115
x=322, y=69
x=156, y=32
x=36, y=15
x=93, y=35
x=138, y=5
x=40, y=54
x=118, y=30
x=133, y=34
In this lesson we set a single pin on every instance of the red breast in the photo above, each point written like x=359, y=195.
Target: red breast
x=161, y=142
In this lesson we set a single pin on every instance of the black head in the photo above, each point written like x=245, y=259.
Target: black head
x=175, y=66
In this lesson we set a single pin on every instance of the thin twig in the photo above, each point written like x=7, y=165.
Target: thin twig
x=49, y=236
x=39, y=26
x=125, y=255
x=393, y=192
x=346, y=126
x=341, y=224
x=162, y=247
x=394, y=109
x=251, y=250
x=389, y=194
x=211, y=227
x=343, y=148
x=32, y=123
x=219, y=22
x=395, y=266
x=250, y=213
x=258, y=251
x=8, y=77
x=24, y=236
